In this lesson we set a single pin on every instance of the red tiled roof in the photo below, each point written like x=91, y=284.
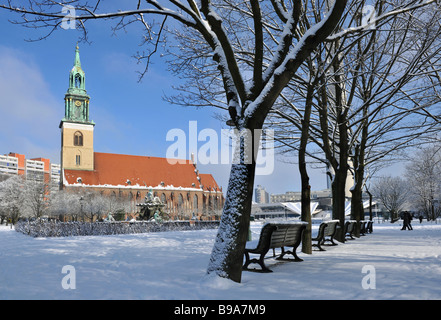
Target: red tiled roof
x=207, y=180
x=118, y=169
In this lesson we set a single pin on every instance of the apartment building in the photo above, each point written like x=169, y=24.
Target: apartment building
x=35, y=169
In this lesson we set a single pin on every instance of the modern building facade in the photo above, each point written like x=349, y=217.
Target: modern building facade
x=260, y=195
x=36, y=169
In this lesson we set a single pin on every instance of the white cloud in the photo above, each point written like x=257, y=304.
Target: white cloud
x=28, y=109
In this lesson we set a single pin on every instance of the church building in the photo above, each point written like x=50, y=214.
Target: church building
x=184, y=191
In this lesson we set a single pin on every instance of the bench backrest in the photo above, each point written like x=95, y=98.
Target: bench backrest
x=275, y=235
x=350, y=226
x=265, y=235
x=331, y=228
x=286, y=235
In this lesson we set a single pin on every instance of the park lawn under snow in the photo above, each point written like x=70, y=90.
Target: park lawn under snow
x=172, y=265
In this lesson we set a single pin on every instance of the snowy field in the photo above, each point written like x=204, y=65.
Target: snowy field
x=171, y=265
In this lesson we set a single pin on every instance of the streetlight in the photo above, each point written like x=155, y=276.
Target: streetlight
x=81, y=207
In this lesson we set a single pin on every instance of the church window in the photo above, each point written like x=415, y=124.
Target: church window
x=78, y=139
x=180, y=203
x=77, y=80
x=195, y=202
x=78, y=160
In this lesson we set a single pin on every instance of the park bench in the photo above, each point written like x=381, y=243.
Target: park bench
x=327, y=231
x=349, y=229
x=362, y=228
x=272, y=236
x=369, y=227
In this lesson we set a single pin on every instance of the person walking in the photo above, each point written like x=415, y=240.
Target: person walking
x=406, y=216
x=405, y=221
x=409, y=220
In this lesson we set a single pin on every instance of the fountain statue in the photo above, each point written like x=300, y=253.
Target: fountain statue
x=152, y=208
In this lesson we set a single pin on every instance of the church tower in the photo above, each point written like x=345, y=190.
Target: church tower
x=76, y=128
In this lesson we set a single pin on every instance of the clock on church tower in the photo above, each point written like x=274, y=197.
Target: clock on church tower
x=76, y=127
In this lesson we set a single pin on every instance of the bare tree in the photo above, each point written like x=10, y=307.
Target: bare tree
x=393, y=193
x=66, y=205
x=94, y=205
x=36, y=197
x=372, y=97
x=424, y=178
x=12, y=194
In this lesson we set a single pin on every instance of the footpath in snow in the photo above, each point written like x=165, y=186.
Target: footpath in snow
x=172, y=265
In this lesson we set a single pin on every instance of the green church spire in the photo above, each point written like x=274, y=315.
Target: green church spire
x=77, y=77
x=76, y=98
x=77, y=62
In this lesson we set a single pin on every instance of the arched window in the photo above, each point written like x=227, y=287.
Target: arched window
x=77, y=80
x=78, y=139
x=180, y=203
x=195, y=203
x=163, y=198
x=216, y=204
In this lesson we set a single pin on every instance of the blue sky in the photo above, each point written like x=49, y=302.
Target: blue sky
x=130, y=117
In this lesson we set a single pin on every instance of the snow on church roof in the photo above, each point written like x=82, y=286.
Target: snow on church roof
x=119, y=170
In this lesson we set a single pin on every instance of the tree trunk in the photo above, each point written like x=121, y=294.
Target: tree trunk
x=356, y=191
x=306, y=188
x=227, y=255
x=306, y=212
x=357, y=207
x=370, y=205
x=338, y=202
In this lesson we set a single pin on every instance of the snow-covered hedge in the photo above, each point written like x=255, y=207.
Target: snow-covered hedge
x=67, y=229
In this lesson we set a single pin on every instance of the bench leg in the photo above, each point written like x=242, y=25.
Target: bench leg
x=293, y=252
x=247, y=261
x=260, y=262
x=318, y=245
x=350, y=237
x=332, y=241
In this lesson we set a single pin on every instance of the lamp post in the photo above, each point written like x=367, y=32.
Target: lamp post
x=81, y=207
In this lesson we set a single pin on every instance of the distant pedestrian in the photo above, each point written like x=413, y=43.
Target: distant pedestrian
x=421, y=218
x=406, y=216
x=409, y=223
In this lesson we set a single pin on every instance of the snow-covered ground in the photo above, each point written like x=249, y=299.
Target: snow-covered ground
x=171, y=265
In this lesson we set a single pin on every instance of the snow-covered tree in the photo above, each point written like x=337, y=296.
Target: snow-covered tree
x=423, y=175
x=393, y=193
x=364, y=95
x=36, y=198
x=94, y=205
x=12, y=195
x=66, y=205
